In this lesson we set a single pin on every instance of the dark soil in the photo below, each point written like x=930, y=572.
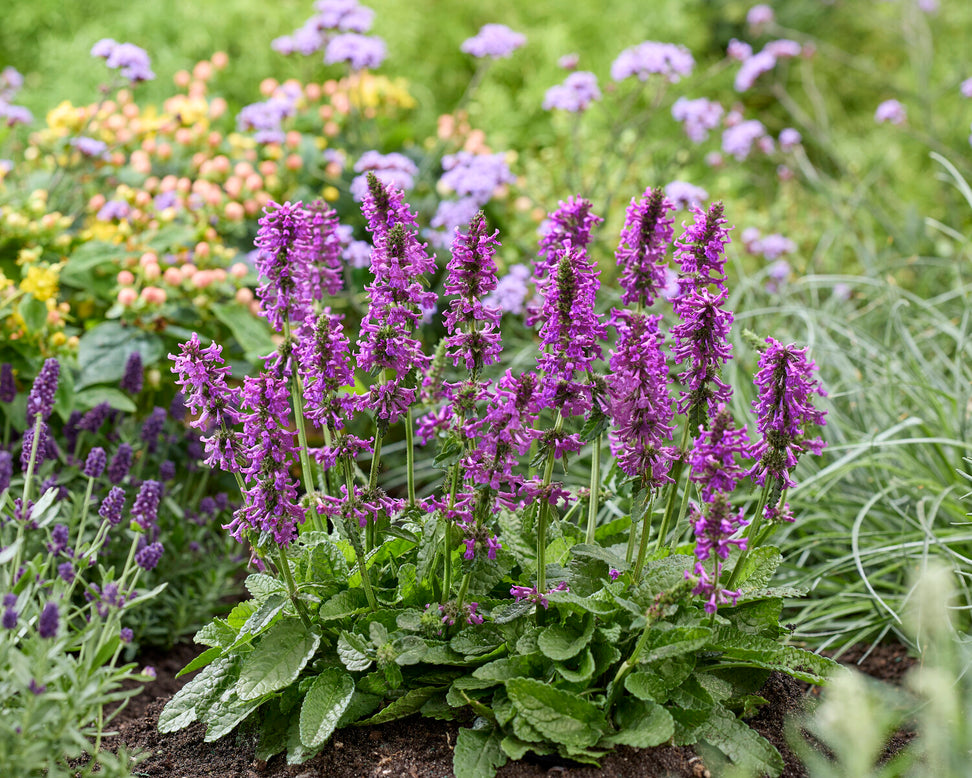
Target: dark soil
x=422, y=748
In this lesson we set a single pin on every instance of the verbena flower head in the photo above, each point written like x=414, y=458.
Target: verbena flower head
x=132, y=379
x=685, y=195
x=476, y=176
x=394, y=170
x=698, y=116
x=511, y=290
x=752, y=68
x=359, y=51
x=891, y=111
x=345, y=15
x=493, y=40
x=575, y=94
x=40, y=401
x=739, y=139
x=652, y=58
x=785, y=414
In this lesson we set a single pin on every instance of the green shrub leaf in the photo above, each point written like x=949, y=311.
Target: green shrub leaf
x=324, y=705
x=277, y=659
x=560, y=716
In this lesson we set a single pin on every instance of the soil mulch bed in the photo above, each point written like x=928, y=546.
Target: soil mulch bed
x=422, y=748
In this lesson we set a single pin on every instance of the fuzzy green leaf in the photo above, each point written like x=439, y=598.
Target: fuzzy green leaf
x=222, y=719
x=353, y=652
x=185, y=707
x=406, y=705
x=675, y=642
x=324, y=705
x=740, y=743
x=205, y=658
x=579, y=670
x=559, y=642
x=560, y=716
x=476, y=642
x=277, y=659
x=478, y=753
x=641, y=725
x=759, y=567
x=342, y=605
x=260, y=586
x=216, y=633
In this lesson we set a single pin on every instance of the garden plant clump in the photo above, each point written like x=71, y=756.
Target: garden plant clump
x=499, y=595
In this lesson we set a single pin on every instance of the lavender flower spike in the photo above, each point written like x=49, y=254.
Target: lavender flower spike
x=40, y=402
x=132, y=379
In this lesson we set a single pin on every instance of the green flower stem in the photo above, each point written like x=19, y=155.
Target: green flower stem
x=750, y=533
x=643, y=546
x=628, y=664
x=284, y=564
x=84, y=514
x=463, y=588
x=668, y=519
x=410, y=457
x=28, y=479
x=595, y=497
x=354, y=536
x=371, y=530
x=447, y=540
x=543, y=515
x=296, y=393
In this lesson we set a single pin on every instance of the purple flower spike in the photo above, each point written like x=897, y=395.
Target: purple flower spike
x=94, y=465
x=713, y=455
x=573, y=221
x=145, y=510
x=9, y=613
x=132, y=379
x=40, y=401
x=152, y=429
x=713, y=533
x=121, y=463
x=6, y=470
x=47, y=622
x=149, y=555
x=702, y=346
x=785, y=412
x=111, y=507
x=700, y=252
x=8, y=389
x=645, y=238
x=285, y=243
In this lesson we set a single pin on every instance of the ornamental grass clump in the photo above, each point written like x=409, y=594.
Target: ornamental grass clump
x=566, y=603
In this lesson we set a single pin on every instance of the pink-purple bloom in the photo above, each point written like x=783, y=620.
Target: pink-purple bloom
x=649, y=58
x=645, y=238
x=359, y=51
x=575, y=94
x=891, y=111
x=393, y=169
x=685, y=195
x=698, y=116
x=738, y=139
x=493, y=40
x=130, y=60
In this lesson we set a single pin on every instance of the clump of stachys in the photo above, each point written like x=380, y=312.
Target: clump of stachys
x=558, y=594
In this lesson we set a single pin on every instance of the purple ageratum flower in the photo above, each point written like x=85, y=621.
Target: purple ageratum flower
x=493, y=40
x=47, y=622
x=713, y=532
x=785, y=412
x=113, y=210
x=89, y=147
x=152, y=429
x=111, y=507
x=6, y=470
x=686, y=195
x=40, y=401
x=8, y=389
x=966, y=88
x=666, y=59
x=13, y=115
x=473, y=327
x=572, y=221
x=306, y=39
x=130, y=60
x=10, y=83
x=891, y=111
x=145, y=510
x=774, y=246
x=345, y=15
x=511, y=291
x=698, y=116
x=700, y=252
x=638, y=400
x=357, y=253
x=575, y=94
x=712, y=458
x=475, y=175
x=266, y=118
x=94, y=465
x=121, y=463
x=449, y=216
x=394, y=170
x=783, y=48
x=569, y=61
x=202, y=378
x=752, y=68
x=359, y=51
x=148, y=556
x=270, y=498
x=284, y=244
x=645, y=237
x=131, y=381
